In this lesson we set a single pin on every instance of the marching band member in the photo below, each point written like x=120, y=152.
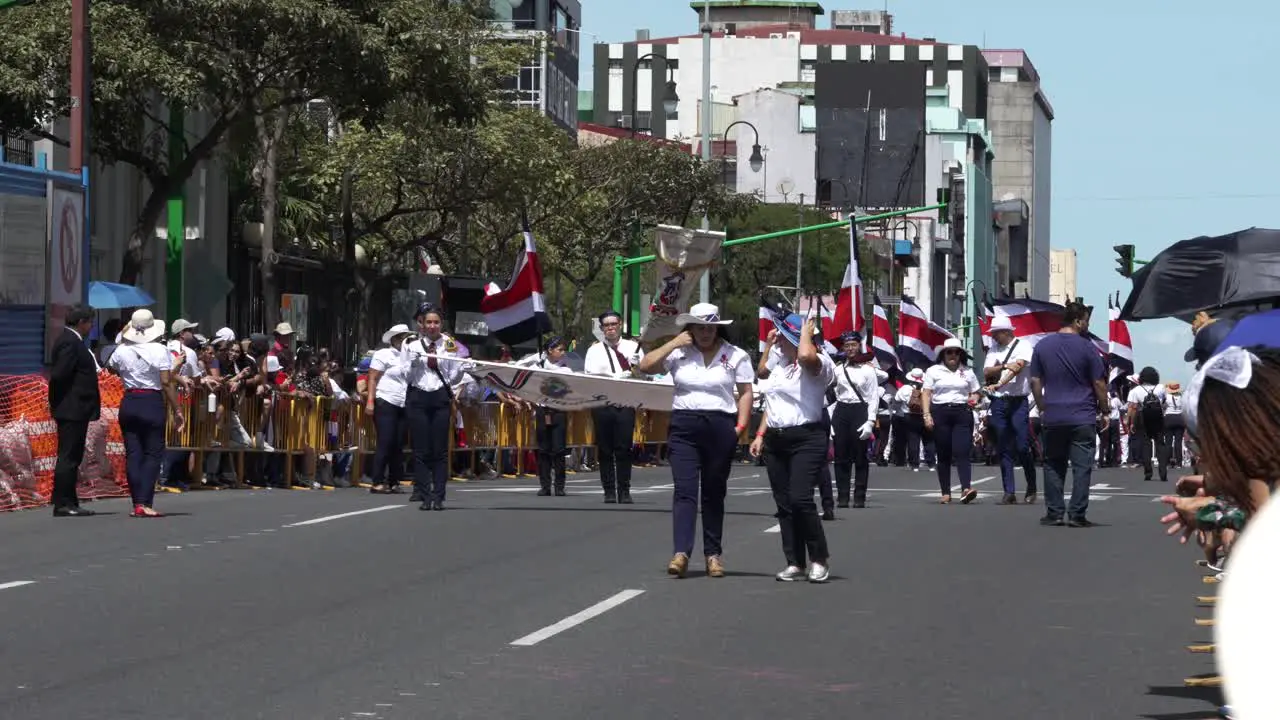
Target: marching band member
x=146, y=369
x=706, y=420
x=770, y=359
x=615, y=427
x=386, y=391
x=793, y=439
x=552, y=425
x=857, y=383
x=950, y=391
x=1008, y=385
x=429, y=403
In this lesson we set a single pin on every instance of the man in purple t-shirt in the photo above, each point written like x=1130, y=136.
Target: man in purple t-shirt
x=1068, y=381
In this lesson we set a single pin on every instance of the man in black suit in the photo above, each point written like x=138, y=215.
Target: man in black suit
x=74, y=401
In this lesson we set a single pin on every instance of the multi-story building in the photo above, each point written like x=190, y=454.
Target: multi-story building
x=1062, y=276
x=553, y=28
x=1021, y=122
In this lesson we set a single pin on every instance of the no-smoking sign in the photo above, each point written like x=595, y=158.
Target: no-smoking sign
x=67, y=268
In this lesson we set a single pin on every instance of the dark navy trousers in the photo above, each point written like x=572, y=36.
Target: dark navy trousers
x=142, y=423
x=701, y=445
x=953, y=440
x=388, y=453
x=1010, y=418
x=430, y=417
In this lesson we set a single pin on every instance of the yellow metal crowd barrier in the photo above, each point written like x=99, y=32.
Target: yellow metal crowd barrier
x=221, y=421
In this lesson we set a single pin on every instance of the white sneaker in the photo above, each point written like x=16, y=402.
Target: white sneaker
x=790, y=574
x=818, y=573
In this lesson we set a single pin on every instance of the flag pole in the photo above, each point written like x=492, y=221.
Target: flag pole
x=527, y=231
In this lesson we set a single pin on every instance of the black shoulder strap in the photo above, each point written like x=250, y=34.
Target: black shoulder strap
x=436, y=369
x=1010, y=353
x=853, y=385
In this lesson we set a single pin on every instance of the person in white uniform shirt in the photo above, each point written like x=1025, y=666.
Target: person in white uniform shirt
x=614, y=427
x=857, y=384
x=908, y=421
x=949, y=393
x=706, y=420
x=551, y=425
x=431, y=367
x=793, y=439
x=386, y=395
x=145, y=368
x=770, y=359
x=1005, y=375
x=1146, y=416
x=1175, y=427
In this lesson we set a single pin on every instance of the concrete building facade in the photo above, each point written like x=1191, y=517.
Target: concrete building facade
x=549, y=83
x=1021, y=122
x=787, y=174
x=1062, y=276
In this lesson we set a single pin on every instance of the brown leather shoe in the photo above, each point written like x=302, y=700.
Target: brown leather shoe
x=679, y=565
x=715, y=568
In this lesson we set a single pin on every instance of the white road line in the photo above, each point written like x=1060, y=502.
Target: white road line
x=16, y=583
x=774, y=529
x=339, y=516
x=577, y=619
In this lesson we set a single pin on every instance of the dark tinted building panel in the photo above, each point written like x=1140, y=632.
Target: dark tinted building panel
x=872, y=158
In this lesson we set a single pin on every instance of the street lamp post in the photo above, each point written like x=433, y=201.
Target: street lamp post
x=704, y=286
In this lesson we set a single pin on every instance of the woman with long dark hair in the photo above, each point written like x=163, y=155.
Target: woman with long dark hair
x=948, y=396
x=386, y=391
x=706, y=419
x=793, y=439
x=1145, y=416
x=431, y=368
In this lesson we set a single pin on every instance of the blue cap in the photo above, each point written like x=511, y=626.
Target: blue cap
x=789, y=327
x=851, y=336
x=1259, y=329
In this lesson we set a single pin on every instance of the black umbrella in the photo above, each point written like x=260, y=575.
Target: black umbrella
x=1207, y=273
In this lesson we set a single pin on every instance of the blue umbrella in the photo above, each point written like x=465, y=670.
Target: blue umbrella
x=114, y=296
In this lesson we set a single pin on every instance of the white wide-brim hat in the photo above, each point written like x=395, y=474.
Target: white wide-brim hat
x=702, y=314
x=143, y=327
x=998, y=323
x=915, y=376
x=953, y=344
x=394, y=332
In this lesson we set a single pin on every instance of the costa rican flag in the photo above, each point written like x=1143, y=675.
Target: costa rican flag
x=918, y=337
x=764, y=324
x=518, y=313
x=1120, y=346
x=1033, y=320
x=848, y=314
x=882, y=338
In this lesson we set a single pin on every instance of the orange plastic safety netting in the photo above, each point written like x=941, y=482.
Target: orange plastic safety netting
x=29, y=444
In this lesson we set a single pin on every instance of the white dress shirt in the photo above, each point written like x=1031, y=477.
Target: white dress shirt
x=793, y=396
x=392, y=386
x=857, y=384
x=1017, y=350
x=1173, y=404
x=600, y=360
x=1116, y=407
x=902, y=400
x=699, y=386
x=190, y=360
x=139, y=365
x=418, y=373
x=950, y=387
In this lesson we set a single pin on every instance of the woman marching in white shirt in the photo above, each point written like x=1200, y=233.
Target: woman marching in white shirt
x=431, y=368
x=793, y=438
x=950, y=392
x=705, y=423
x=858, y=391
x=387, y=391
x=145, y=368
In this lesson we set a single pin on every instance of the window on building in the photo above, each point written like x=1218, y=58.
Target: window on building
x=565, y=32
x=808, y=71
x=616, y=78
x=808, y=118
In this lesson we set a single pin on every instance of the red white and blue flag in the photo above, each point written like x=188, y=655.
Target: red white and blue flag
x=1033, y=320
x=848, y=313
x=518, y=313
x=918, y=337
x=882, y=338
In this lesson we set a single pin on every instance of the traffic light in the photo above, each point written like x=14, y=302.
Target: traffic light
x=944, y=198
x=1124, y=261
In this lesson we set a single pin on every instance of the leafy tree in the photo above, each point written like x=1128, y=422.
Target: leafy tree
x=617, y=190
x=232, y=61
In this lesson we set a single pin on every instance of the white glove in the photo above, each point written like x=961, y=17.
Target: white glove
x=864, y=432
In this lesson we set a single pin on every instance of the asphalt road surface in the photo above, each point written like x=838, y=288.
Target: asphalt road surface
x=342, y=604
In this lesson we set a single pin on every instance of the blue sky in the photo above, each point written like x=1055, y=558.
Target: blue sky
x=1159, y=134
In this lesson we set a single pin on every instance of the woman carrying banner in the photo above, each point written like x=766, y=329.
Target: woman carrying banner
x=950, y=391
x=793, y=439
x=857, y=383
x=706, y=420
x=429, y=372
x=552, y=425
x=613, y=356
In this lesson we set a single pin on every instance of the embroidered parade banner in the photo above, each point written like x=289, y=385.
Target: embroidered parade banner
x=683, y=256
x=571, y=391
